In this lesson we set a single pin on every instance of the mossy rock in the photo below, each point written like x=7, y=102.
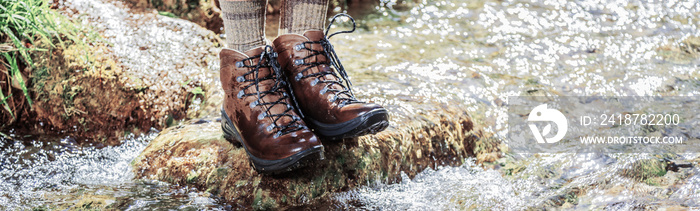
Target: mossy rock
x=82, y=202
x=95, y=94
x=65, y=94
x=197, y=155
x=645, y=170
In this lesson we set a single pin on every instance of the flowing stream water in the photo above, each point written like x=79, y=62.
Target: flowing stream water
x=416, y=57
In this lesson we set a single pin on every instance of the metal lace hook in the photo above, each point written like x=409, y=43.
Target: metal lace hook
x=276, y=68
x=263, y=54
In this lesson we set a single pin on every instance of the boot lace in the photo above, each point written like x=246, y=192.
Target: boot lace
x=268, y=59
x=344, y=94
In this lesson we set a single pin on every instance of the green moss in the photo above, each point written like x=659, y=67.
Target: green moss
x=222, y=172
x=256, y=182
x=192, y=177
x=643, y=170
x=241, y=183
x=215, y=178
x=268, y=204
x=512, y=168
x=572, y=198
x=257, y=200
x=336, y=180
x=652, y=181
x=42, y=208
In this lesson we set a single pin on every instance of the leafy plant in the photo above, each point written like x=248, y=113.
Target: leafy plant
x=197, y=91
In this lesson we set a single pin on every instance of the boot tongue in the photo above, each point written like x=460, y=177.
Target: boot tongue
x=314, y=35
x=267, y=85
x=262, y=71
x=279, y=108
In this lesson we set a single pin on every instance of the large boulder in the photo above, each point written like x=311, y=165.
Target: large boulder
x=139, y=70
x=195, y=154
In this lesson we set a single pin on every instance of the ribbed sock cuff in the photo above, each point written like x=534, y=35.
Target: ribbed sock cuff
x=244, y=23
x=297, y=16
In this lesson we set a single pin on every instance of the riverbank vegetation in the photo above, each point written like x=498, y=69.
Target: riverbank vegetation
x=31, y=29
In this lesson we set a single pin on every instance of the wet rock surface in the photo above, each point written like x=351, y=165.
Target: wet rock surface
x=196, y=155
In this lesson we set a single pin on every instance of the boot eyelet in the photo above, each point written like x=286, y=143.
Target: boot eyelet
x=324, y=90
x=240, y=79
x=239, y=64
x=262, y=116
x=273, y=54
x=240, y=94
x=253, y=104
x=289, y=106
x=269, y=128
x=314, y=82
x=298, y=47
x=298, y=61
x=298, y=77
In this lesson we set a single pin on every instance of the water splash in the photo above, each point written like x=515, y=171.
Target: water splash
x=36, y=173
x=448, y=188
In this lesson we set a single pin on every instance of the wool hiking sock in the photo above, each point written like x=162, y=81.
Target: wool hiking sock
x=244, y=23
x=297, y=16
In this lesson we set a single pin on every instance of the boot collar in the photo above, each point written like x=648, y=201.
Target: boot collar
x=249, y=53
x=308, y=35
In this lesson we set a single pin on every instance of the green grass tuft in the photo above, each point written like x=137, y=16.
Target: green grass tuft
x=28, y=26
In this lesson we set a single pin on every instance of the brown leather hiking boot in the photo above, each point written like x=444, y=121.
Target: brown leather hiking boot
x=257, y=113
x=322, y=94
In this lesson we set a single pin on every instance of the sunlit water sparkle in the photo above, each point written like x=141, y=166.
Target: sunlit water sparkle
x=470, y=54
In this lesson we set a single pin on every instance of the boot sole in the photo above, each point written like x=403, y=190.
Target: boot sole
x=371, y=122
x=295, y=161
